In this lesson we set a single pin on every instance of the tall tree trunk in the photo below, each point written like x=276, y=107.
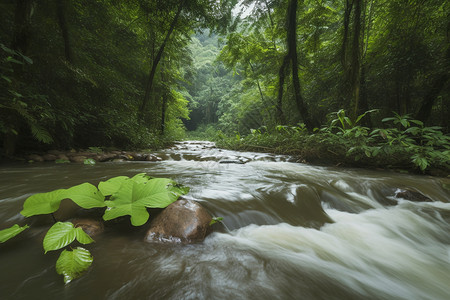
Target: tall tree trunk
x=156, y=60
x=355, y=70
x=292, y=54
x=62, y=22
x=347, y=14
x=22, y=26
x=163, y=113
x=281, y=77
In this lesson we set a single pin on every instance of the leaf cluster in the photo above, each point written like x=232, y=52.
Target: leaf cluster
x=120, y=196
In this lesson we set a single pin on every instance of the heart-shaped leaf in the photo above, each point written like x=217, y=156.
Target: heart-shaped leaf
x=11, y=232
x=72, y=264
x=112, y=185
x=62, y=234
x=43, y=203
x=86, y=195
x=135, y=195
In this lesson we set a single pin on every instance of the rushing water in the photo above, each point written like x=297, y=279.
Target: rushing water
x=291, y=231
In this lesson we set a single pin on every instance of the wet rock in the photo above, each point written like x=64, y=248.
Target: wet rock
x=90, y=226
x=183, y=221
x=54, y=152
x=63, y=157
x=411, y=195
x=77, y=158
x=151, y=157
x=232, y=162
x=106, y=157
x=35, y=157
x=49, y=157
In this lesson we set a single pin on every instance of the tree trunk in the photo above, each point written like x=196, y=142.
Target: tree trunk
x=347, y=14
x=355, y=70
x=158, y=56
x=281, y=77
x=292, y=54
x=62, y=22
x=22, y=26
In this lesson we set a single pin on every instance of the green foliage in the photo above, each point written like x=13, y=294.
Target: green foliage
x=89, y=161
x=9, y=233
x=136, y=194
x=418, y=147
x=43, y=203
x=85, y=195
x=126, y=196
x=17, y=103
x=62, y=234
x=72, y=264
x=215, y=220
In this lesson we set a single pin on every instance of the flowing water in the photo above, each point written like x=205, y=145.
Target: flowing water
x=290, y=231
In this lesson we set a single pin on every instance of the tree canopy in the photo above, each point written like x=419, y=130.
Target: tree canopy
x=131, y=74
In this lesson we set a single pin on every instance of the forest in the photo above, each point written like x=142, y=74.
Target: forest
x=354, y=82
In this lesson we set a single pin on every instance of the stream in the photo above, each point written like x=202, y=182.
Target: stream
x=290, y=231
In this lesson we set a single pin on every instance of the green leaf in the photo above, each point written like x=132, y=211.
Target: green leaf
x=43, y=203
x=215, y=220
x=41, y=134
x=111, y=185
x=72, y=264
x=133, y=198
x=86, y=196
x=62, y=234
x=89, y=161
x=11, y=232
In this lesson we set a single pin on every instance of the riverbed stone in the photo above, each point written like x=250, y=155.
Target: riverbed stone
x=35, y=157
x=411, y=195
x=184, y=221
x=77, y=158
x=49, y=157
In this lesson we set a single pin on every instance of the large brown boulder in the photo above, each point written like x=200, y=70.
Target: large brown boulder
x=183, y=221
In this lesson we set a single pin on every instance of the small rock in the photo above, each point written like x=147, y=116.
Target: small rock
x=182, y=221
x=49, y=157
x=106, y=157
x=35, y=157
x=411, y=196
x=77, y=159
x=151, y=157
x=90, y=226
x=63, y=157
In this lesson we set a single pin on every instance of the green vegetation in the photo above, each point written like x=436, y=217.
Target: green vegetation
x=321, y=79
x=119, y=196
x=135, y=74
x=405, y=147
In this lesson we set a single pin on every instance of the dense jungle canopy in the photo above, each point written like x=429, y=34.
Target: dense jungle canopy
x=133, y=74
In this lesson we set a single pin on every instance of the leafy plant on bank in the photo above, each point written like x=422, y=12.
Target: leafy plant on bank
x=404, y=142
x=120, y=196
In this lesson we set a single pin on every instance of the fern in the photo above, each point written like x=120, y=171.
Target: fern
x=41, y=134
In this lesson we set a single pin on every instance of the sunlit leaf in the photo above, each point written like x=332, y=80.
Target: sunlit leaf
x=11, y=232
x=86, y=195
x=43, y=203
x=62, y=234
x=134, y=196
x=112, y=185
x=72, y=264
